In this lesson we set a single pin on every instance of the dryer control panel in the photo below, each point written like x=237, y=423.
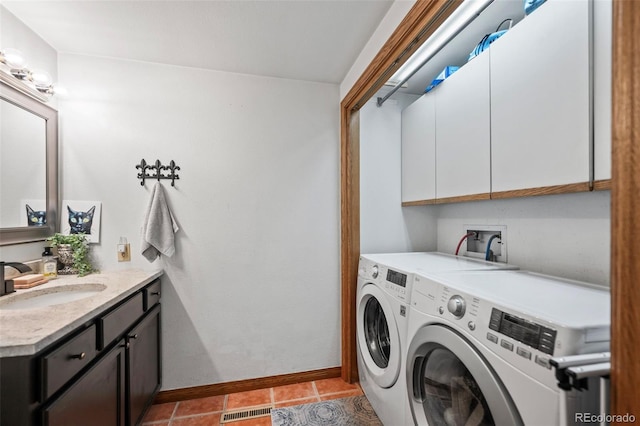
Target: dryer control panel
x=397, y=278
x=395, y=282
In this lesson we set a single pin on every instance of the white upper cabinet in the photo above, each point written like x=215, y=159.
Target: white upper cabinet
x=602, y=47
x=463, y=154
x=418, y=150
x=540, y=98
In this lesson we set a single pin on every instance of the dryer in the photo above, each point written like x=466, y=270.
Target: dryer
x=382, y=305
x=481, y=342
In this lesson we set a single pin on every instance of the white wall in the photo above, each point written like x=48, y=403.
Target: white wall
x=386, y=227
x=254, y=288
x=564, y=235
x=388, y=25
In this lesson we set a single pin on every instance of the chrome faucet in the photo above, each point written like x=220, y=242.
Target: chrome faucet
x=6, y=286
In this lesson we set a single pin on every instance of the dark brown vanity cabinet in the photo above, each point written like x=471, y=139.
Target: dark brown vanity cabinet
x=106, y=372
x=95, y=398
x=143, y=365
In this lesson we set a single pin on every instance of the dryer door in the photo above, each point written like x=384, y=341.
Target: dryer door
x=378, y=337
x=450, y=383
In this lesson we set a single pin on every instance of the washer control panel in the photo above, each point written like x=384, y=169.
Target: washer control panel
x=457, y=306
x=525, y=343
x=530, y=333
x=524, y=337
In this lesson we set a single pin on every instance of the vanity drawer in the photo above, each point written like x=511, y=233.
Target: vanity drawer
x=65, y=362
x=151, y=295
x=112, y=325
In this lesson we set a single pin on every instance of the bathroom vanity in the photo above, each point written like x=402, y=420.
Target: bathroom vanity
x=80, y=351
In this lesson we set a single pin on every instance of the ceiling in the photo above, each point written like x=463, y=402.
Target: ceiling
x=313, y=40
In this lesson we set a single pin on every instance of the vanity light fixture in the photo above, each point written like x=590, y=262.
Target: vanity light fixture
x=452, y=26
x=13, y=58
x=42, y=80
x=36, y=83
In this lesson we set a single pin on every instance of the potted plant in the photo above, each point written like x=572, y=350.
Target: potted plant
x=73, y=252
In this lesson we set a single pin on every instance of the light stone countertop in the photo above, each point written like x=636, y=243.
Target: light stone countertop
x=27, y=331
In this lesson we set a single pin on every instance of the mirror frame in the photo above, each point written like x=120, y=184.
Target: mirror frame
x=26, y=234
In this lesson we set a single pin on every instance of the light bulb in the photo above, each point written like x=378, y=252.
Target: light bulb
x=13, y=58
x=41, y=79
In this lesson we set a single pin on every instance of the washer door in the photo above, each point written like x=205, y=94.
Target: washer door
x=450, y=382
x=378, y=338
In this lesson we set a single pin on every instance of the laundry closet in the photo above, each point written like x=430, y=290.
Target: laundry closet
x=487, y=145
x=510, y=139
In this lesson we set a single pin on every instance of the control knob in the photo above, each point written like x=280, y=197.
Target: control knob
x=374, y=271
x=456, y=306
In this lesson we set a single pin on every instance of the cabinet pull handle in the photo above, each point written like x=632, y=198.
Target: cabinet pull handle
x=134, y=336
x=155, y=293
x=81, y=355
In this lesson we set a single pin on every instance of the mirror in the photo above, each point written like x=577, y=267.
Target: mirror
x=28, y=168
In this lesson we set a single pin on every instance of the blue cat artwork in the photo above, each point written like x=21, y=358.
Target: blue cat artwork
x=80, y=222
x=36, y=217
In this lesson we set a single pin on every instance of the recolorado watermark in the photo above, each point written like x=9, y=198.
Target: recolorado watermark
x=606, y=418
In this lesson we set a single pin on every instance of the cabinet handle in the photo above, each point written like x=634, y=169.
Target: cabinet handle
x=134, y=336
x=155, y=293
x=81, y=355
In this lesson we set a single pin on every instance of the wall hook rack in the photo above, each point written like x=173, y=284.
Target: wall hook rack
x=154, y=171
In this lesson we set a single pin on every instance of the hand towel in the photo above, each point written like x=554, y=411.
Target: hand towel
x=159, y=226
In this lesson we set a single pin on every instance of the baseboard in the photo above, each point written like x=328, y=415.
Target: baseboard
x=245, y=385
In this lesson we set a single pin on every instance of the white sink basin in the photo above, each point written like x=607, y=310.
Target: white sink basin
x=50, y=296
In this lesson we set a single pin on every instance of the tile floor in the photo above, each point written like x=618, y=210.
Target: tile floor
x=209, y=411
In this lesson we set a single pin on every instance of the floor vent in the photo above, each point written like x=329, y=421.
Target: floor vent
x=252, y=413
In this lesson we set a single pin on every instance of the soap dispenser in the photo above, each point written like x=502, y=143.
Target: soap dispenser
x=49, y=264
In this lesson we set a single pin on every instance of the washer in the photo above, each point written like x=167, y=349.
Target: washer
x=382, y=304
x=480, y=345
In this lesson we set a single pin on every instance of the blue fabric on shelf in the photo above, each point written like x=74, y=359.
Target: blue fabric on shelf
x=446, y=72
x=531, y=5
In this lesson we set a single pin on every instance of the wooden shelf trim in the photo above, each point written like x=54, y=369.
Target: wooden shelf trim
x=428, y=202
x=599, y=185
x=463, y=198
x=204, y=391
x=602, y=185
x=543, y=190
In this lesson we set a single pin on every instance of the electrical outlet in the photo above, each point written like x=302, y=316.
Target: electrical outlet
x=124, y=252
x=493, y=235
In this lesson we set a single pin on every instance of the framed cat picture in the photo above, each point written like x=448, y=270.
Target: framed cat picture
x=81, y=217
x=34, y=212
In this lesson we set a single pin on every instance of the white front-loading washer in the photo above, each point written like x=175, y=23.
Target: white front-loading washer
x=382, y=305
x=481, y=342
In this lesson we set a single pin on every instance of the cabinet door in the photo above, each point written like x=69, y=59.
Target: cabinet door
x=143, y=365
x=540, y=123
x=96, y=398
x=418, y=150
x=602, y=50
x=463, y=131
